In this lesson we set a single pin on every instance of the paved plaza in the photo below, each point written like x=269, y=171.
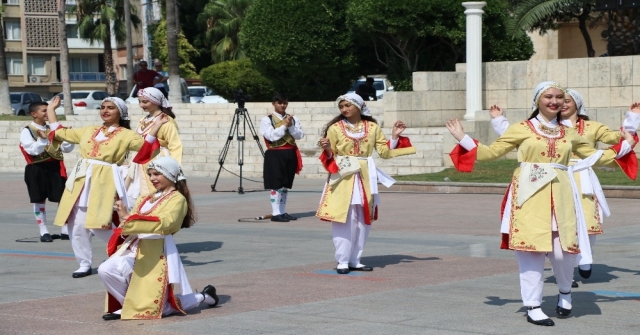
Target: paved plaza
x=437, y=265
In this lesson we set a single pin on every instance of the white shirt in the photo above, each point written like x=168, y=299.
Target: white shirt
x=274, y=134
x=36, y=147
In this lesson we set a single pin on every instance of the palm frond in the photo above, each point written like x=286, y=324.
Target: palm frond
x=531, y=12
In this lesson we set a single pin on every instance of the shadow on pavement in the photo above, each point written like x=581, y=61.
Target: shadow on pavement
x=197, y=247
x=382, y=261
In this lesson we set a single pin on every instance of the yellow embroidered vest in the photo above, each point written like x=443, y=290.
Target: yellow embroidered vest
x=286, y=139
x=50, y=151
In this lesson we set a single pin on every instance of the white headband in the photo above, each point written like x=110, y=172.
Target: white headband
x=577, y=98
x=168, y=167
x=155, y=97
x=540, y=89
x=121, y=105
x=356, y=100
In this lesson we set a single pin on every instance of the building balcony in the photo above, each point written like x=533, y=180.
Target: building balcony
x=87, y=76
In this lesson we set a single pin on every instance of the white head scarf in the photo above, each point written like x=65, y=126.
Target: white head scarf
x=155, y=97
x=168, y=167
x=356, y=100
x=577, y=98
x=540, y=89
x=121, y=105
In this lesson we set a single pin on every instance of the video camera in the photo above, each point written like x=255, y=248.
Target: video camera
x=241, y=98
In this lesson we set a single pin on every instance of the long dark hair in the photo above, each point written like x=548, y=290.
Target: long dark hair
x=190, y=218
x=124, y=123
x=537, y=111
x=340, y=117
x=583, y=117
x=168, y=111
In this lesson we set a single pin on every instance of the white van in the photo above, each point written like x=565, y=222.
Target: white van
x=381, y=85
x=186, y=98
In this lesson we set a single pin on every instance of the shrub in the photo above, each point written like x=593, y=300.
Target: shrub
x=226, y=77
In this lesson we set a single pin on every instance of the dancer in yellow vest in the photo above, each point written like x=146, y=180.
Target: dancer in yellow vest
x=95, y=182
x=543, y=193
x=350, y=197
x=144, y=276
x=155, y=104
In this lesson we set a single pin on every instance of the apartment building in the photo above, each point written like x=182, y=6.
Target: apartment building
x=32, y=49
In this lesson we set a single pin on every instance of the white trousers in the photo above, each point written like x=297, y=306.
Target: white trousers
x=349, y=238
x=80, y=237
x=115, y=274
x=531, y=266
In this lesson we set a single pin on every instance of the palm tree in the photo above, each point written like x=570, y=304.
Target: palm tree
x=543, y=15
x=223, y=19
x=172, y=48
x=622, y=29
x=98, y=21
x=64, y=57
x=5, y=101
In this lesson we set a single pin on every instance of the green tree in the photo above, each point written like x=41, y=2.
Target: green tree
x=227, y=77
x=185, y=50
x=223, y=19
x=545, y=15
x=98, y=21
x=429, y=35
x=303, y=46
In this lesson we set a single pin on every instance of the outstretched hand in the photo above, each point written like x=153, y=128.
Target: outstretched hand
x=495, y=111
x=398, y=128
x=455, y=128
x=55, y=102
x=635, y=107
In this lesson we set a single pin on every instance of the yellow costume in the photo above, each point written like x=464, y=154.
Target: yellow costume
x=530, y=223
x=149, y=286
x=335, y=202
x=170, y=145
x=102, y=188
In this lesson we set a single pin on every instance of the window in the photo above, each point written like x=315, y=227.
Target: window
x=11, y=2
x=35, y=65
x=12, y=30
x=35, y=97
x=79, y=65
x=72, y=31
x=99, y=96
x=14, y=65
x=123, y=71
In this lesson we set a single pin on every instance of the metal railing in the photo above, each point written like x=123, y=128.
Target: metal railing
x=87, y=76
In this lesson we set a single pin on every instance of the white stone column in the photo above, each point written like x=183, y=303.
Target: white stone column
x=474, y=57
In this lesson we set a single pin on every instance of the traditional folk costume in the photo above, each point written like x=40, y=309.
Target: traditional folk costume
x=350, y=197
x=282, y=161
x=45, y=173
x=543, y=199
x=95, y=181
x=137, y=181
x=594, y=203
x=144, y=276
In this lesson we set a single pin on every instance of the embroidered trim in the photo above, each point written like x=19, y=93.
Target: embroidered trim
x=160, y=297
x=356, y=141
x=95, y=151
x=155, y=205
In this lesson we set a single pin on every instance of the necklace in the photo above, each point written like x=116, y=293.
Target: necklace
x=548, y=130
x=106, y=132
x=158, y=195
x=354, y=129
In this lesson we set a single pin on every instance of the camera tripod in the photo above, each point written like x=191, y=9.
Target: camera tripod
x=239, y=132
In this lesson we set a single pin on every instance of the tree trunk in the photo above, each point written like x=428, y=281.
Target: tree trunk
x=112, y=82
x=175, y=95
x=5, y=100
x=582, y=23
x=129, y=44
x=64, y=58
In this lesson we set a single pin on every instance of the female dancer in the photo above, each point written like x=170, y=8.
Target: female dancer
x=144, y=276
x=574, y=115
x=154, y=103
x=350, y=197
x=93, y=184
x=543, y=194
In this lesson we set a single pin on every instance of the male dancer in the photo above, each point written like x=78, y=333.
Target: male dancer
x=282, y=159
x=45, y=173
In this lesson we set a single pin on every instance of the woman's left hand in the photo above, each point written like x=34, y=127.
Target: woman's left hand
x=398, y=128
x=628, y=137
x=163, y=118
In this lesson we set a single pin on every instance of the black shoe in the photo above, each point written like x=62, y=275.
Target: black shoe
x=82, y=274
x=290, y=217
x=545, y=322
x=342, y=271
x=584, y=273
x=279, y=218
x=55, y=236
x=211, y=291
x=560, y=310
x=46, y=238
x=64, y=237
x=364, y=268
x=111, y=316
x=574, y=284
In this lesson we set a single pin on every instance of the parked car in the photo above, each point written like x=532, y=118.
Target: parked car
x=203, y=94
x=183, y=86
x=20, y=101
x=212, y=98
x=381, y=85
x=83, y=101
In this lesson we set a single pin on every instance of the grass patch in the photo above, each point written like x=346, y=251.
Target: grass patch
x=5, y=117
x=501, y=171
